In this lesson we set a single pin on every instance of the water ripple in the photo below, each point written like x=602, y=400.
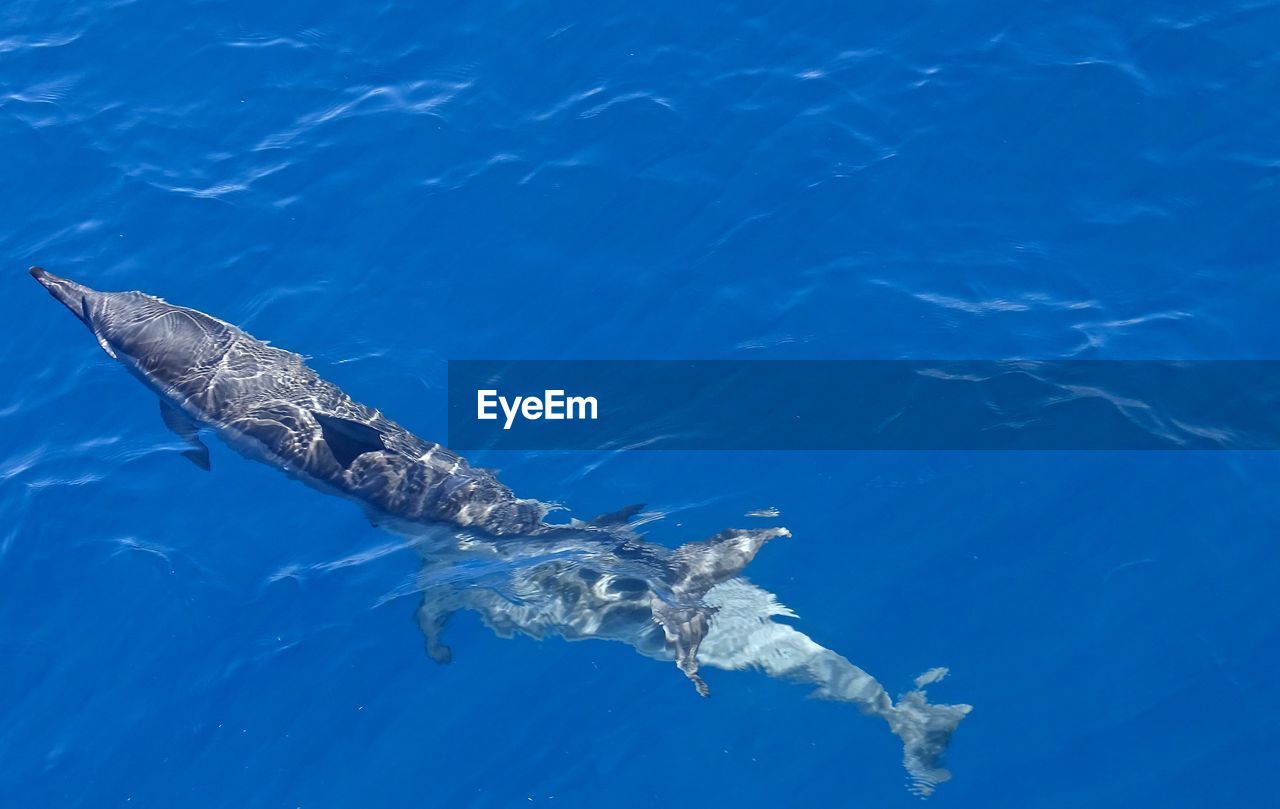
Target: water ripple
x=25, y=43
x=416, y=98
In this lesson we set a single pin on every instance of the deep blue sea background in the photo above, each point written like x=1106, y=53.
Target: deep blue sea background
x=387, y=186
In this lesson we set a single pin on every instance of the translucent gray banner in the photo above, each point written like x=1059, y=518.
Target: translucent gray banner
x=865, y=404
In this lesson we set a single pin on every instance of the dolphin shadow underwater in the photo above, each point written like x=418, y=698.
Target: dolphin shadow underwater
x=483, y=549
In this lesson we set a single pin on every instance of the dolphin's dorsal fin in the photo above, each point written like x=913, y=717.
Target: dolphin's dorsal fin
x=348, y=439
x=182, y=426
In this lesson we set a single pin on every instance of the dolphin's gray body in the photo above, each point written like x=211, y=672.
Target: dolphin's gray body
x=595, y=579
x=269, y=405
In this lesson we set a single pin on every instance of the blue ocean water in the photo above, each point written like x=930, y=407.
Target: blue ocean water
x=384, y=187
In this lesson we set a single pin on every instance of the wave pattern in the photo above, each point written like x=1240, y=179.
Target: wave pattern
x=401, y=184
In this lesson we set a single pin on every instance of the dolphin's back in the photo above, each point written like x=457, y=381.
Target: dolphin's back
x=268, y=397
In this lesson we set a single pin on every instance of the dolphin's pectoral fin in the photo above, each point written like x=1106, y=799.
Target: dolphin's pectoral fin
x=182, y=426
x=348, y=439
x=199, y=457
x=696, y=567
x=685, y=627
x=87, y=317
x=620, y=517
x=432, y=617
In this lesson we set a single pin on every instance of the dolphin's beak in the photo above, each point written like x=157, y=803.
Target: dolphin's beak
x=70, y=293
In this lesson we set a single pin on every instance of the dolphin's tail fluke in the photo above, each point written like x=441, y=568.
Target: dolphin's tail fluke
x=695, y=568
x=925, y=730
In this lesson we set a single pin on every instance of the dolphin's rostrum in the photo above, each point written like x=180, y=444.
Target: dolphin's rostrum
x=578, y=580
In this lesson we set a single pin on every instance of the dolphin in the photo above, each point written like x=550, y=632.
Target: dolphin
x=482, y=548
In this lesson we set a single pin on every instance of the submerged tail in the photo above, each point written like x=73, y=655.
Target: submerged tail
x=925, y=730
x=744, y=637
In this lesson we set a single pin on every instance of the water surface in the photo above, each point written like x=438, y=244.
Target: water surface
x=385, y=187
